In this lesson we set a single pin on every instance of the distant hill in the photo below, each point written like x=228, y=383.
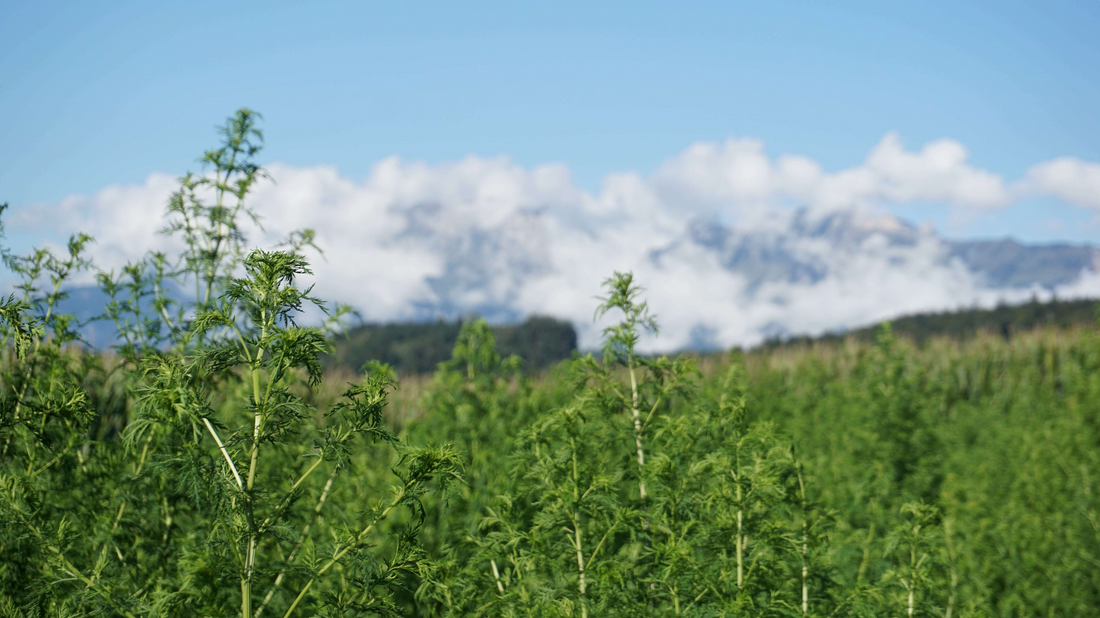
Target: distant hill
x=1007, y=263
x=1005, y=320
x=417, y=347
x=809, y=249
x=795, y=272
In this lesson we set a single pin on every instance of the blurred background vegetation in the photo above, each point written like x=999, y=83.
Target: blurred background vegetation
x=221, y=459
x=416, y=348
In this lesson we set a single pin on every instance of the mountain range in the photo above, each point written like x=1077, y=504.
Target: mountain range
x=795, y=255
x=717, y=284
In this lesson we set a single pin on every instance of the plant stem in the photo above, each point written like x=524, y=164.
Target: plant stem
x=298, y=546
x=496, y=575
x=740, y=521
x=638, y=436
x=18, y=404
x=641, y=460
x=225, y=453
x=866, y=553
x=398, y=497
x=954, y=573
x=577, y=542
x=290, y=494
x=256, y=420
x=805, y=543
x=250, y=555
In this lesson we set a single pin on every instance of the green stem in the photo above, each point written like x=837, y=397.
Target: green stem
x=496, y=575
x=805, y=544
x=638, y=435
x=866, y=553
x=225, y=453
x=250, y=555
x=740, y=522
x=301, y=539
x=582, y=584
x=398, y=497
x=290, y=494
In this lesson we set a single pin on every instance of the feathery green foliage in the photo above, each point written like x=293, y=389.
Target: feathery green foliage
x=207, y=468
x=218, y=488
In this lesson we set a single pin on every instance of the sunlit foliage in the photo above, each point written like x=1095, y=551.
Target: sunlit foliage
x=206, y=467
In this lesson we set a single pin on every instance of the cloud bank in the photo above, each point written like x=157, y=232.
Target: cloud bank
x=732, y=245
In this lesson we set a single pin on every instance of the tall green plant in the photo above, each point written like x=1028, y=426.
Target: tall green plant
x=227, y=474
x=638, y=496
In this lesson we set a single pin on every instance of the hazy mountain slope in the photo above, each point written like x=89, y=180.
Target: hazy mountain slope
x=805, y=251
x=1005, y=321
x=1007, y=263
x=714, y=284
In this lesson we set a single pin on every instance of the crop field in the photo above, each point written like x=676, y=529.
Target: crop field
x=210, y=464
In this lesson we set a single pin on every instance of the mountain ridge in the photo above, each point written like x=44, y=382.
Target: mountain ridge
x=804, y=273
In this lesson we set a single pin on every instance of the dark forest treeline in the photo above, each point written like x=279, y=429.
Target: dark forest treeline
x=419, y=347
x=1004, y=320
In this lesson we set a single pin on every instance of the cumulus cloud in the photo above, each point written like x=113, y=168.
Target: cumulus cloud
x=738, y=173
x=1067, y=178
x=712, y=235
x=125, y=218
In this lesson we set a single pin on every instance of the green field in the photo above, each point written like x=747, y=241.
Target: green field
x=214, y=465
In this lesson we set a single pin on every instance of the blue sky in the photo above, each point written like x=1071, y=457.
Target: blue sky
x=93, y=94
x=505, y=158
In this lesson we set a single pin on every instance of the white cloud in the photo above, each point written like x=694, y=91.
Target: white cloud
x=123, y=217
x=939, y=172
x=738, y=174
x=1067, y=178
x=413, y=240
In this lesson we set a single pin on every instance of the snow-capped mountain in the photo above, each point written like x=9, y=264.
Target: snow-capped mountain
x=715, y=284
x=731, y=246
x=806, y=249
